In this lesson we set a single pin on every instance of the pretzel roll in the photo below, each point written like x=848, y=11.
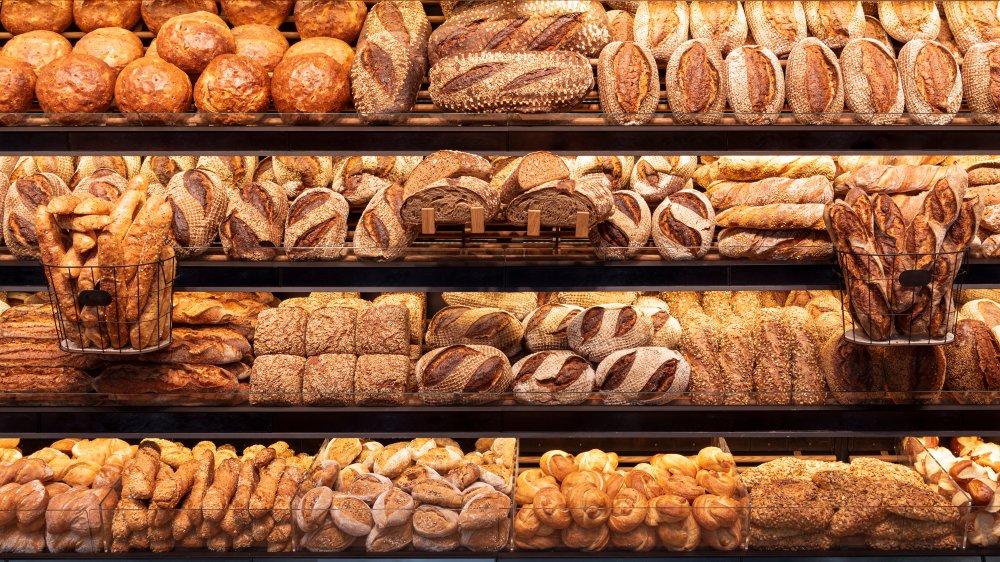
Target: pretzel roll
x=626, y=232
x=22, y=16
x=814, y=84
x=155, y=13
x=341, y=19
x=776, y=25
x=553, y=377
x=271, y=13
x=645, y=375
x=932, y=82
x=906, y=21
x=463, y=374
x=154, y=91
x=95, y=14
x=317, y=226
x=697, y=82
x=683, y=226
x=192, y=41
x=601, y=330
x=756, y=85
x=722, y=22
x=17, y=91
x=661, y=27
x=199, y=203
x=835, y=23
x=37, y=48
x=233, y=90
x=75, y=85
x=261, y=43
x=656, y=177
x=874, y=92
x=454, y=325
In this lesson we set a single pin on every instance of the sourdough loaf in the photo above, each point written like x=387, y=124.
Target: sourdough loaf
x=519, y=304
x=683, y=225
x=932, y=82
x=234, y=171
x=629, y=83
x=255, y=225
x=727, y=194
x=661, y=27
x=199, y=203
x=175, y=384
x=62, y=166
x=159, y=169
x=972, y=22
x=358, y=178
x=601, y=330
x=722, y=22
x=774, y=216
x=645, y=375
x=656, y=177
x=973, y=363
x=873, y=89
x=774, y=244
x=103, y=184
x=317, y=226
x=815, y=85
x=23, y=198
x=512, y=176
x=381, y=234
x=756, y=85
x=615, y=169
x=752, y=168
x=553, y=377
x=697, y=82
x=666, y=328
x=463, y=374
x=981, y=79
x=700, y=344
x=305, y=171
x=559, y=202
x=835, y=23
x=546, y=327
x=587, y=299
x=906, y=21
x=452, y=200
x=625, y=232
x=874, y=30
x=772, y=377
x=621, y=25
x=776, y=25
x=454, y=325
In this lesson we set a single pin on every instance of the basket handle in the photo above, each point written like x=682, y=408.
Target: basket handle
x=915, y=278
x=94, y=297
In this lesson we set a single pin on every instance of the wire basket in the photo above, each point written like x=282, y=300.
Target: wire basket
x=121, y=309
x=900, y=299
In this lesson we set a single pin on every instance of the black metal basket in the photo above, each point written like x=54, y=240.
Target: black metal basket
x=104, y=310
x=908, y=300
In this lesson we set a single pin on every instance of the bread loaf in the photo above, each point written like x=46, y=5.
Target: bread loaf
x=62, y=166
x=776, y=25
x=808, y=383
x=160, y=169
x=615, y=169
x=37, y=48
x=932, y=82
x=530, y=82
x=906, y=21
x=625, y=232
x=20, y=93
x=261, y=42
x=452, y=200
x=255, y=225
x=645, y=375
x=514, y=176
x=700, y=345
x=175, y=384
x=463, y=374
x=756, y=85
x=815, y=85
x=683, y=226
x=656, y=177
x=196, y=309
x=661, y=27
x=455, y=325
x=391, y=59
x=115, y=46
x=446, y=164
x=777, y=216
x=774, y=244
x=835, y=23
x=621, y=25
x=234, y=171
x=276, y=380
x=874, y=92
x=891, y=179
x=381, y=380
x=281, y=331
x=123, y=167
x=381, y=233
x=211, y=345
x=33, y=385
x=199, y=205
x=874, y=30
x=553, y=377
x=328, y=380
x=911, y=373
x=722, y=22
x=358, y=178
x=94, y=14
x=546, y=327
x=728, y=194
x=753, y=168
x=972, y=22
x=737, y=357
x=21, y=16
x=317, y=226
x=601, y=330
x=331, y=330
x=629, y=83
x=23, y=198
x=666, y=328
x=587, y=299
x=519, y=304
x=973, y=361
x=981, y=80
x=697, y=82
x=559, y=202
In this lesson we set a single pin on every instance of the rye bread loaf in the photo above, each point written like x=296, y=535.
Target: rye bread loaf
x=621, y=25
x=416, y=304
x=814, y=83
x=445, y=164
x=644, y=375
x=661, y=27
x=972, y=22
x=331, y=330
x=463, y=374
x=932, y=82
x=601, y=330
x=753, y=168
x=700, y=345
x=255, y=225
x=511, y=177
x=728, y=194
x=776, y=25
x=683, y=226
x=722, y=22
x=874, y=30
x=553, y=377
x=756, y=85
x=199, y=202
x=281, y=331
x=358, y=178
x=391, y=59
x=452, y=200
x=559, y=202
x=835, y=23
x=546, y=327
x=381, y=234
x=625, y=232
x=981, y=80
x=629, y=83
x=382, y=380
x=317, y=226
x=615, y=169
x=656, y=177
x=455, y=325
x=529, y=82
x=906, y=21
x=873, y=89
x=697, y=82
x=384, y=329
x=328, y=380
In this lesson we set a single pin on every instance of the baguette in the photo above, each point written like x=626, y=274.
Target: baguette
x=697, y=82
x=981, y=79
x=722, y=22
x=906, y=21
x=835, y=23
x=752, y=168
x=776, y=25
x=791, y=245
x=531, y=82
x=728, y=194
x=143, y=244
x=629, y=83
x=661, y=27
x=756, y=85
x=774, y=216
x=932, y=82
x=874, y=92
x=814, y=82
x=972, y=22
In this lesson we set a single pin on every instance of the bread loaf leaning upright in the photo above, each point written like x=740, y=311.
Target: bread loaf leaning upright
x=625, y=232
x=391, y=59
x=683, y=226
x=697, y=82
x=814, y=83
x=656, y=177
x=932, y=82
x=463, y=374
x=972, y=22
x=981, y=79
x=756, y=85
x=553, y=377
x=629, y=83
x=906, y=21
x=23, y=198
x=317, y=226
x=199, y=202
x=835, y=23
x=255, y=225
x=723, y=22
x=873, y=90
x=661, y=27
x=777, y=25
x=645, y=375
x=381, y=234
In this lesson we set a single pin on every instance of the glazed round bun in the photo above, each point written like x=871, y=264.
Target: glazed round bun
x=262, y=43
x=335, y=48
x=37, y=48
x=17, y=89
x=265, y=12
x=95, y=14
x=330, y=18
x=115, y=46
x=155, y=13
x=233, y=85
x=191, y=41
x=75, y=84
x=314, y=83
x=22, y=16
x=153, y=88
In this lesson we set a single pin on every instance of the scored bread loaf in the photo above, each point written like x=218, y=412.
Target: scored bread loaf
x=722, y=22
x=626, y=231
x=381, y=234
x=621, y=25
x=835, y=23
x=981, y=79
x=932, y=82
x=891, y=179
x=553, y=377
x=874, y=30
x=774, y=244
x=972, y=22
x=601, y=330
x=700, y=345
x=628, y=82
x=756, y=85
x=546, y=327
x=559, y=202
x=519, y=304
x=529, y=82
x=62, y=166
x=304, y=171
x=358, y=178
x=587, y=299
x=209, y=345
x=615, y=169
x=199, y=203
x=656, y=177
x=234, y=171
x=873, y=89
x=22, y=200
x=753, y=168
x=452, y=200
x=778, y=26
x=697, y=82
x=661, y=27
x=772, y=378
x=727, y=194
x=463, y=374
x=255, y=225
x=125, y=166
x=317, y=226
x=906, y=21
x=104, y=184
x=973, y=363
x=645, y=375
x=159, y=169
x=391, y=59
x=666, y=328
x=814, y=83
x=683, y=225
x=454, y=325
x=774, y=216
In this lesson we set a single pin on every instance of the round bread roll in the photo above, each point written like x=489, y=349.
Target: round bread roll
x=601, y=330
x=37, y=48
x=466, y=374
x=192, y=41
x=553, y=377
x=115, y=46
x=22, y=16
x=155, y=13
x=154, y=89
x=330, y=18
x=271, y=13
x=77, y=84
x=95, y=14
x=645, y=375
x=340, y=51
x=262, y=43
x=235, y=86
x=17, y=90
x=310, y=84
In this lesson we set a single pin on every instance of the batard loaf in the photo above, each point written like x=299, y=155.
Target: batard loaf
x=973, y=363
x=697, y=82
x=683, y=225
x=776, y=25
x=621, y=24
x=835, y=23
x=199, y=203
x=553, y=377
x=774, y=244
x=873, y=91
x=981, y=81
x=972, y=22
x=559, y=202
x=317, y=226
x=932, y=82
x=255, y=225
x=529, y=82
x=906, y=21
x=656, y=177
x=546, y=327
x=727, y=194
x=519, y=304
x=753, y=168
x=43, y=385
x=210, y=345
x=626, y=231
x=381, y=234
x=645, y=375
x=661, y=27
x=756, y=85
x=628, y=82
x=880, y=178
x=722, y=22
x=23, y=198
x=463, y=374
x=615, y=169
x=774, y=216
x=175, y=384
x=601, y=330
x=454, y=325
x=814, y=83
x=700, y=345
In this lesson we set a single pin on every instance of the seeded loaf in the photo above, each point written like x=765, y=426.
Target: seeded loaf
x=381, y=379
x=281, y=331
x=778, y=26
x=932, y=82
x=381, y=234
x=359, y=178
x=328, y=380
x=383, y=329
x=626, y=231
x=546, y=327
x=615, y=169
x=697, y=82
x=661, y=27
x=835, y=23
x=621, y=24
x=981, y=79
x=317, y=226
x=276, y=380
x=587, y=299
x=814, y=100
x=629, y=83
x=331, y=330
x=700, y=345
x=906, y=21
x=874, y=30
x=972, y=22
x=519, y=304
x=874, y=91
x=255, y=224
x=416, y=305
x=454, y=325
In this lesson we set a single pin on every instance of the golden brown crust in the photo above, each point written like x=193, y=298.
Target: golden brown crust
x=233, y=85
x=153, y=87
x=271, y=13
x=330, y=18
x=75, y=84
x=37, y=48
x=176, y=383
x=262, y=43
x=95, y=14
x=311, y=83
x=192, y=41
x=22, y=16
x=155, y=13
x=17, y=87
x=115, y=46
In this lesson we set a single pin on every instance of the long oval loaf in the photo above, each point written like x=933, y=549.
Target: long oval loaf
x=559, y=202
x=463, y=374
x=553, y=377
x=972, y=22
x=981, y=79
x=199, y=202
x=629, y=83
x=774, y=244
x=532, y=82
x=873, y=91
x=932, y=82
x=661, y=27
x=454, y=325
x=723, y=22
x=756, y=85
x=777, y=25
x=697, y=82
x=727, y=194
x=815, y=86
x=874, y=30
x=835, y=23
x=906, y=21
x=775, y=216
